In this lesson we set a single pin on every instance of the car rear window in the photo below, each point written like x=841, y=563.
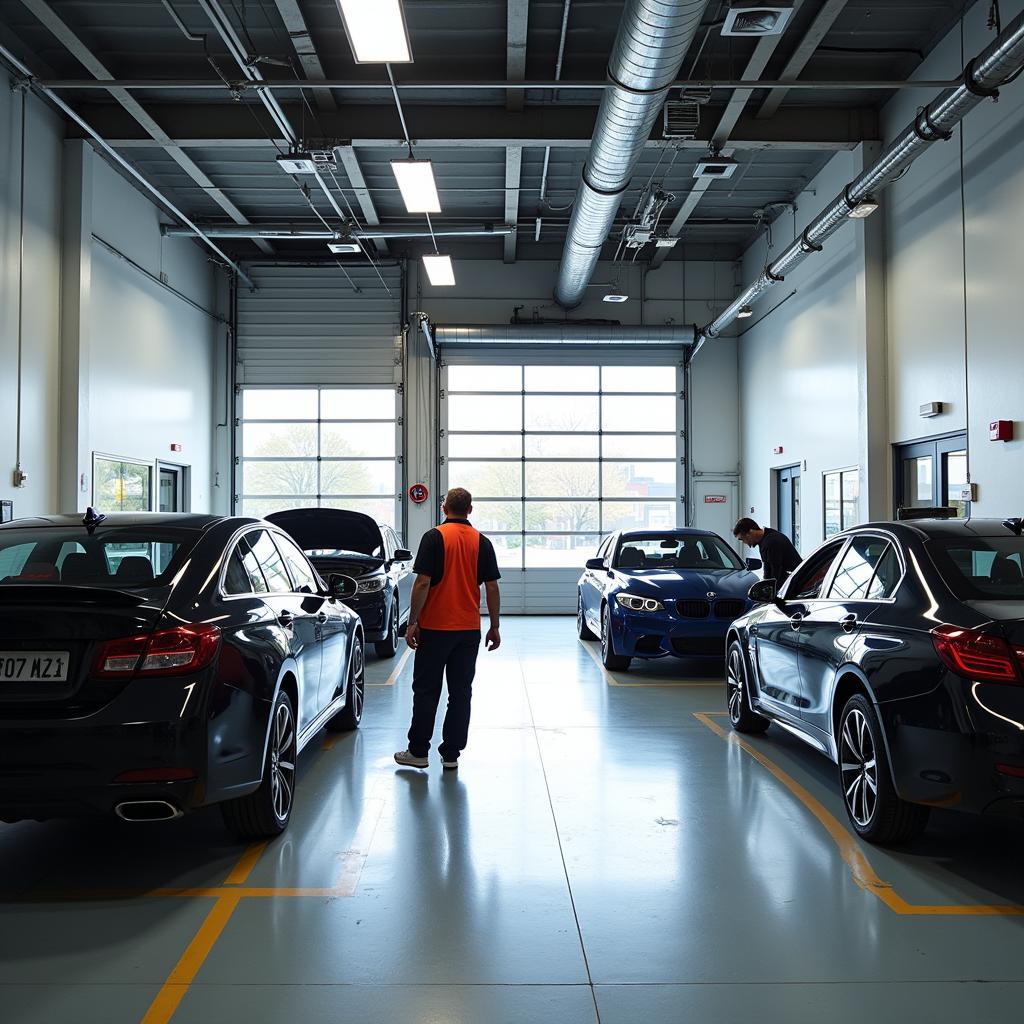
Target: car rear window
x=981, y=568
x=117, y=558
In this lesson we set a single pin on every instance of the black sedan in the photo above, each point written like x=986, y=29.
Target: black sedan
x=897, y=650
x=151, y=664
x=342, y=541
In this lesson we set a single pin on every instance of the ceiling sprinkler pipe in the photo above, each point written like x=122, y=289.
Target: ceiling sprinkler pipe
x=285, y=232
x=981, y=79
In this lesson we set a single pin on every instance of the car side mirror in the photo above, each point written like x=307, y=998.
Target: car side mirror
x=342, y=587
x=763, y=592
x=754, y=563
x=595, y=563
x=401, y=555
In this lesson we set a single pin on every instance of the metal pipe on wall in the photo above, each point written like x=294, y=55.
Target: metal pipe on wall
x=982, y=77
x=650, y=46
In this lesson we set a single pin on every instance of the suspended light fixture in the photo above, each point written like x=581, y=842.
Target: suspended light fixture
x=376, y=31
x=416, y=181
x=864, y=208
x=439, y=270
x=744, y=312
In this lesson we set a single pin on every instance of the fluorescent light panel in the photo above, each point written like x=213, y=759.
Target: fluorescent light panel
x=439, y=270
x=416, y=180
x=864, y=208
x=376, y=31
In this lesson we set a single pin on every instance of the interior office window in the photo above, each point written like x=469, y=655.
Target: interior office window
x=841, y=500
x=319, y=448
x=557, y=456
x=121, y=485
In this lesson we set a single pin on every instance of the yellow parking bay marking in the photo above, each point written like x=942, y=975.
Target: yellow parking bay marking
x=163, y=1007
x=863, y=873
x=243, y=869
x=397, y=671
x=612, y=681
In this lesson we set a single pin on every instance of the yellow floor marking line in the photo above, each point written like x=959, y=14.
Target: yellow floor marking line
x=243, y=869
x=397, y=671
x=863, y=873
x=612, y=681
x=168, y=999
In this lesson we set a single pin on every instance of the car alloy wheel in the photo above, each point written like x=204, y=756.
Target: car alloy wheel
x=388, y=647
x=734, y=686
x=741, y=715
x=349, y=717
x=282, y=761
x=583, y=631
x=858, y=768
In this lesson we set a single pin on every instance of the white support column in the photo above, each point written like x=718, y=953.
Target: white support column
x=872, y=383
x=76, y=286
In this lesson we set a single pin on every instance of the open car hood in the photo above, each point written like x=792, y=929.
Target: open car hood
x=330, y=529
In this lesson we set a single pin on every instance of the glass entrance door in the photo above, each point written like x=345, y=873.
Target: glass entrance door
x=930, y=474
x=170, y=495
x=788, y=502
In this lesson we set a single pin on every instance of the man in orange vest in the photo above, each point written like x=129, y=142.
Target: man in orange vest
x=444, y=628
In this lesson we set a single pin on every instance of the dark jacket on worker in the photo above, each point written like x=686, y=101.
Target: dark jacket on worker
x=779, y=556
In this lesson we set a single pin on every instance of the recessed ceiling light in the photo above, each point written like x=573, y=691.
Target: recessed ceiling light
x=665, y=243
x=376, y=31
x=615, y=298
x=715, y=167
x=439, y=270
x=416, y=181
x=744, y=312
x=864, y=208
x=748, y=18
x=344, y=247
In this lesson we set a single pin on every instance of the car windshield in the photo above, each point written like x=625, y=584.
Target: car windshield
x=675, y=551
x=981, y=568
x=115, y=558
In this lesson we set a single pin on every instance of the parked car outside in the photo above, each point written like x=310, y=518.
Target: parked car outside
x=656, y=593
x=897, y=650
x=189, y=672
x=351, y=543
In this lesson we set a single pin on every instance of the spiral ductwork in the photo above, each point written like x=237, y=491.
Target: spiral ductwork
x=653, y=38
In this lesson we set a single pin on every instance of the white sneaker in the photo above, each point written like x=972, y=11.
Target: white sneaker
x=449, y=765
x=403, y=757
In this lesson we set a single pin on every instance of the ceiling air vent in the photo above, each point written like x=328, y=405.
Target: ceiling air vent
x=681, y=120
x=746, y=18
x=715, y=167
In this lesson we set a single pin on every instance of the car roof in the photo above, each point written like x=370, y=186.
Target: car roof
x=935, y=528
x=681, y=531
x=182, y=520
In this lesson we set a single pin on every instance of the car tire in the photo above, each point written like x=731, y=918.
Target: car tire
x=387, y=647
x=876, y=812
x=742, y=716
x=266, y=812
x=349, y=717
x=583, y=631
x=611, y=661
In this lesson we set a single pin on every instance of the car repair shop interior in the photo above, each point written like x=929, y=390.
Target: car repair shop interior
x=628, y=271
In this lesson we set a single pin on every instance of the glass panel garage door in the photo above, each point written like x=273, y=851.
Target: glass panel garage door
x=556, y=456
x=319, y=447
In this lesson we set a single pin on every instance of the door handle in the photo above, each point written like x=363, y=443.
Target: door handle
x=849, y=622
x=286, y=619
x=796, y=619
x=321, y=616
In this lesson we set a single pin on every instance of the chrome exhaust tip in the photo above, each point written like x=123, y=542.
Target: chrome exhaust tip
x=147, y=810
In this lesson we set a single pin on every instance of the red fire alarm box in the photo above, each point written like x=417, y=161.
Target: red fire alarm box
x=777, y=450
x=176, y=447
x=1000, y=430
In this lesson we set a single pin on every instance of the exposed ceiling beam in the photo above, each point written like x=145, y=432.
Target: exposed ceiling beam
x=518, y=17
x=91, y=63
x=305, y=50
x=513, y=175
x=763, y=51
x=349, y=160
x=215, y=126
x=823, y=21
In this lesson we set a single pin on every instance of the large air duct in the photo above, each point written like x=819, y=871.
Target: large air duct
x=562, y=334
x=981, y=79
x=651, y=44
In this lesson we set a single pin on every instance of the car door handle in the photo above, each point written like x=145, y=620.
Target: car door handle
x=795, y=620
x=849, y=622
x=321, y=616
x=286, y=619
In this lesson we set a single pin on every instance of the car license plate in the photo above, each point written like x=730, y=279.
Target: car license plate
x=34, y=666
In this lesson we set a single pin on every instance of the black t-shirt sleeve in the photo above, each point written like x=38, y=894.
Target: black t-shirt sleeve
x=430, y=557
x=487, y=562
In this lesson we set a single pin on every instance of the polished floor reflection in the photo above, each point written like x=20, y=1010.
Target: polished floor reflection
x=603, y=854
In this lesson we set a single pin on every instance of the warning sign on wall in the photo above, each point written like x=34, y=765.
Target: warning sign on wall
x=714, y=499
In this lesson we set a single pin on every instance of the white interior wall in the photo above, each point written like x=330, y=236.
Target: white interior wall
x=40, y=355
x=948, y=332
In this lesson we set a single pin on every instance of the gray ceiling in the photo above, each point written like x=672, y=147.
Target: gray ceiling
x=230, y=144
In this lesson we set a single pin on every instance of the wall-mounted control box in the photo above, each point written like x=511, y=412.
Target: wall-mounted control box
x=1000, y=430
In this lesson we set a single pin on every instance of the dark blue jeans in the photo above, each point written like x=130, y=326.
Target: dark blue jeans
x=440, y=653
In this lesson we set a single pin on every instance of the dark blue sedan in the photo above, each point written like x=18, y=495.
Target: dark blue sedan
x=654, y=593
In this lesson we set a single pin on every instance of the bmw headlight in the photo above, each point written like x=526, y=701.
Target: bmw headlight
x=373, y=585
x=635, y=603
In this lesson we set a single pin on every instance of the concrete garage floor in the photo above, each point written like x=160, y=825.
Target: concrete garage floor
x=603, y=854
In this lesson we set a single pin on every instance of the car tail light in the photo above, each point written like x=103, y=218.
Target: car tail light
x=163, y=653
x=1016, y=770
x=977, y=655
